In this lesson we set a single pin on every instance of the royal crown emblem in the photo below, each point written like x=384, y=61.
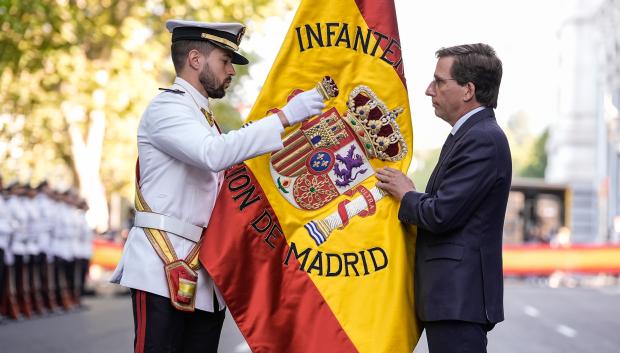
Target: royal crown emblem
x=329, y=156
x=375, y=125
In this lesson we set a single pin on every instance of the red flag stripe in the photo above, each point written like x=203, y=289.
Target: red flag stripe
x=277, y=306
x=380, y=16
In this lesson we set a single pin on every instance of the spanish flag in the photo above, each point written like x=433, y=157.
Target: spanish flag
x=307, y=251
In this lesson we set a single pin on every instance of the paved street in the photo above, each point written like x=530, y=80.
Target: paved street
x=539, y=319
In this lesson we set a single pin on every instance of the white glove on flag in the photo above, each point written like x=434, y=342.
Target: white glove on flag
x=303, y=106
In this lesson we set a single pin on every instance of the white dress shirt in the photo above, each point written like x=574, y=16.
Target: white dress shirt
x=463, y=119
x=182, y=159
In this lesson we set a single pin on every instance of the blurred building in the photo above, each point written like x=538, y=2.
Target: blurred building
x=584, y=144
x=536, y=212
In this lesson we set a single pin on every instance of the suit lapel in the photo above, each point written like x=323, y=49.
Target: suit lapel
x=451, y=142
x=475, y=119
x=447, y=146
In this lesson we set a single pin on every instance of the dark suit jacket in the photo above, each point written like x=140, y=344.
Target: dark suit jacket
x=460, y=219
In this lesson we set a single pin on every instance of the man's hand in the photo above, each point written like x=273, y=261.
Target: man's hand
x=394, y=182
x=301, y=107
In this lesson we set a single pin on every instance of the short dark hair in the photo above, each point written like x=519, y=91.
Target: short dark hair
x=179, y=50
x=476, y=63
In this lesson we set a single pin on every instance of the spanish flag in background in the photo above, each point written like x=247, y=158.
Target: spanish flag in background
x=308, y=253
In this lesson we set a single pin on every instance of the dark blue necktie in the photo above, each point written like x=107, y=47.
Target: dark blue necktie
x=447, y=146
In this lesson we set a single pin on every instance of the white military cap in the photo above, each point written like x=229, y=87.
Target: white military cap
x=224, y=35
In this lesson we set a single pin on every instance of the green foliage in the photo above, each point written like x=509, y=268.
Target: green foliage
x=529, y=157
x=424, y=163
x=535, y=165
x=67, y=63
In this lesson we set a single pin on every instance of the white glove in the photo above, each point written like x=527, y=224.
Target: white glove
x=303, y=106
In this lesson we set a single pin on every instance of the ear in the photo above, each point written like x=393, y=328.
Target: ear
x=470, y=91
x=194, y=59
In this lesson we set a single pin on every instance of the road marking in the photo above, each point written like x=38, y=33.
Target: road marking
x=566, y=331
x=531, y=311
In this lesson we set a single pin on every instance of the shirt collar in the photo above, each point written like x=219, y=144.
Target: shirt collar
x=464, y=118
x=201, y=100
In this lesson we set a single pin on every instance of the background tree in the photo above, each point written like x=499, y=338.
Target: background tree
x=529, y=156
x=423, y=164
x=75, y=76
x=537, y=161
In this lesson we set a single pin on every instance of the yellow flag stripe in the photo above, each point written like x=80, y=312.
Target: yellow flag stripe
x=371, y=257
x=523, y=260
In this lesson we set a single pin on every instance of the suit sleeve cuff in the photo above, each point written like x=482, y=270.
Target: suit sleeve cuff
x=407, y=213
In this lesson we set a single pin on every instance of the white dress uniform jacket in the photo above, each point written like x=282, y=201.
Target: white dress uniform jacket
x=63, y=233
x=19, y=214
x=6, y=225
x=182, y=159
x=45, y=224
x=56, y=228
x=75, y=229
x=85, y=237
x=33, y=226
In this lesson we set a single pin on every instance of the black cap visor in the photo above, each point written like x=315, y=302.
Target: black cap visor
x=222, y=39
x=236, y=57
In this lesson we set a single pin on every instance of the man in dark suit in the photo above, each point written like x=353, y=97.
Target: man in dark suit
x=460, y=216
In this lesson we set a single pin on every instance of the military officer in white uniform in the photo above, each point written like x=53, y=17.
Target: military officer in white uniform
x=182, y=157
x=19, y=208
x=61, y=247
x=33, y=246
x=86, y=245
x=48, y=211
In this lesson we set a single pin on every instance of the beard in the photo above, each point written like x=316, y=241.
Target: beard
x=213, y=86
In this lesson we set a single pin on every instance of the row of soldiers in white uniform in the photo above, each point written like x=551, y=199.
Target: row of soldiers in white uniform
x=45, y=249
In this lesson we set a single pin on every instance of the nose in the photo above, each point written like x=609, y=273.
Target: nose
x=430, y=90
x=231, y=70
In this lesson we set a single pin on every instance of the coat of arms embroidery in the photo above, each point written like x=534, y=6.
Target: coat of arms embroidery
x=330, y=155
